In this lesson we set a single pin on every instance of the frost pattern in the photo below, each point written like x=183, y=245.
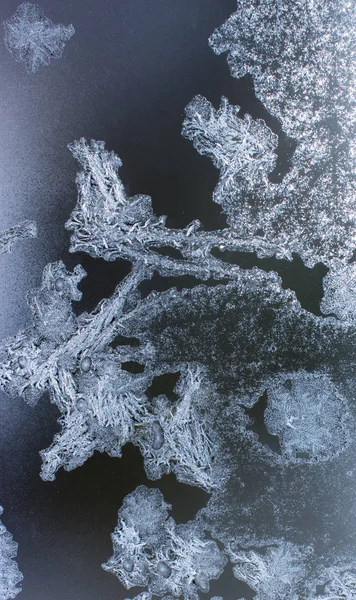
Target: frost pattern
x=243, y=149
x=274, y=572
x=309, y=415
x=107, y=223
x=10, y=236
x=102, y=405
x=151, y=550
x=178, y=435
x=340, y=292
x=310, y=213
x=340, y=584
x=33, y=39
x=10, y=576
x=301, y=61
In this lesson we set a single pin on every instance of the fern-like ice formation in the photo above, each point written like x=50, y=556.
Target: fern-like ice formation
x=273, y=572
x=107, y=223
x=151, y=551
x=11, y=236
x=33, y=39
x=10, y=575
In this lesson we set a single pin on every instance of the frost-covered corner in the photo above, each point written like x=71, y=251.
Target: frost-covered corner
x=10, y=575
x=33, y=39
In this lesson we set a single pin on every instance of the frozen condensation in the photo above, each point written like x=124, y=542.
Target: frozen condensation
x=302, y=64
x=340, y=584
x=33, y=39
x=309, y=415
x=242, y=148
x=106, y=223
x=176, y=437
x=151, y=550
x=10, y=576
x=273, y=572
x=311, y=212
x=340, y=292
x=10, y=236
x=102, y=405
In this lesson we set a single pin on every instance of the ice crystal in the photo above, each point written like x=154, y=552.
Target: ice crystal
x=340, y=584
x=9, y=237
x=33, y=39
x=102, y=405
x=301, y=61
x=309, y=415
x=151, y=550
x=10, y=576
x=107, y=223
x=176, y=436
x=300, y=58
x=243, y=149
x=274, y=573
x=340, y=292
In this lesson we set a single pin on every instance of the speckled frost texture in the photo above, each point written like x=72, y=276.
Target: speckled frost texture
x=301, y=58
x=272, y=572
x=10, y=576
x=33, y=39
x=151, y=550
x=309, y=415
x=311, y=212
x=340, y=292
x=106, y=223
x=10, y=236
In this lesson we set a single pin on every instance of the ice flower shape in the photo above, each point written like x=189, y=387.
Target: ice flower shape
x=33, y=39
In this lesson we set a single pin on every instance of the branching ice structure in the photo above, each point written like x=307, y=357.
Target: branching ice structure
x=10, y=576
x=10, y=236
x=274, y=572
x=102, y=405
x=151, y=550
x=33, y=39
x=340, y=584
x=107, y=223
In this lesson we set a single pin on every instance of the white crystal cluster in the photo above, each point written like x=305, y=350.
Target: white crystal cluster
x=231, y=343
x=10, y=576
x=33, y=39
x=151, y=550
x=102, y=405
x=107, y=223
x=340, y=584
